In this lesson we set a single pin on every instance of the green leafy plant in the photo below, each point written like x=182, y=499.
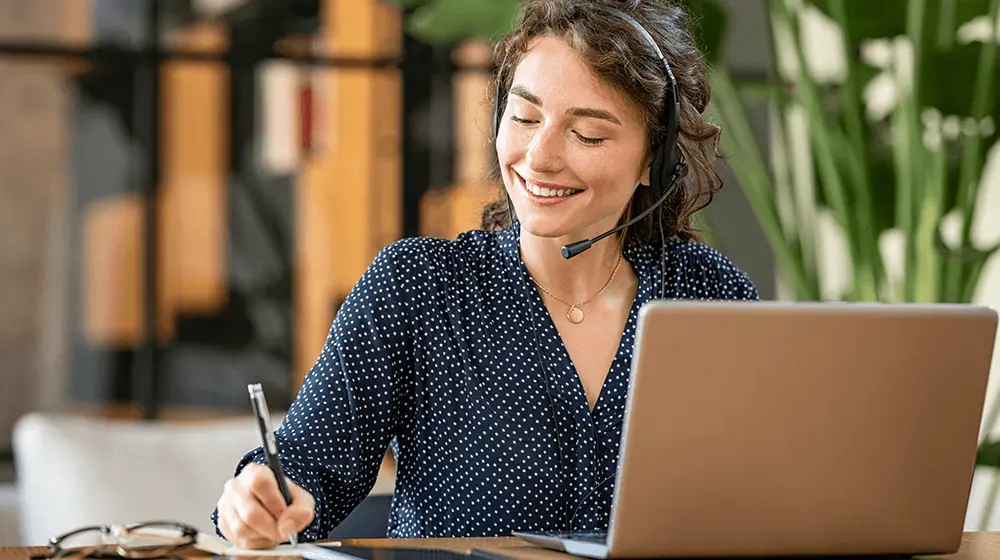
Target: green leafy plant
x=454, y=21
x=905, y=172
x=897, y=179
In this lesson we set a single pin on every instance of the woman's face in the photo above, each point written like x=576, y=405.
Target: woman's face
x=571, y=148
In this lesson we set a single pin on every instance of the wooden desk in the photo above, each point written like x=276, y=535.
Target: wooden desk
x=975, y=546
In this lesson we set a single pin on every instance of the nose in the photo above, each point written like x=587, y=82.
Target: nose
x=544, y=152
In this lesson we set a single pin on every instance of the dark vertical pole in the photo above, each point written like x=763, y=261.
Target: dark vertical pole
x=146, y=104
x=416, y=173
x=244, y=39
x=442, y=119
x=428, y=136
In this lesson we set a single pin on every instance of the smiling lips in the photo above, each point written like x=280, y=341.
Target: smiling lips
x=549, y=193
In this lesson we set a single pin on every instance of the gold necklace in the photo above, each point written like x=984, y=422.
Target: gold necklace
x=575, y=312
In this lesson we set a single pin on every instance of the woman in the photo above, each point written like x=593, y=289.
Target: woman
x=496, y=368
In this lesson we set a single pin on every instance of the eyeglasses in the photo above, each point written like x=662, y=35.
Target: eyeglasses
x=139, y=541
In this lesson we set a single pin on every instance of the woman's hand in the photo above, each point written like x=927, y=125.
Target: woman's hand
x=252, y=513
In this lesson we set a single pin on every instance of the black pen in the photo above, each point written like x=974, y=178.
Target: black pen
x=270, y=445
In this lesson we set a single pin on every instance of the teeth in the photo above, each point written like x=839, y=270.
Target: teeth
x=545, y=191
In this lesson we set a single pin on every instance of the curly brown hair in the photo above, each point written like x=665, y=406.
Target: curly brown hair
x=620, y=55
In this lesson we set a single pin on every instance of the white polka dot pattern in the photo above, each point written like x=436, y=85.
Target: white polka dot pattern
x=445, y=350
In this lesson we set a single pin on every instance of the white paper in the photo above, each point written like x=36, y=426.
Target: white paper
x=221, y=547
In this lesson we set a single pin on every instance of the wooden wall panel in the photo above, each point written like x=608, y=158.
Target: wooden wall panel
x=387, y=161
x=365, y=135
x=195, y=160
x=473, y=114
x=314, y=262
x=349, y=191
x=112, y=271
x=353, y=189
x=434, y=209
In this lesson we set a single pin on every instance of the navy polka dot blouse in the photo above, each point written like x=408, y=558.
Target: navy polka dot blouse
x=445, y=351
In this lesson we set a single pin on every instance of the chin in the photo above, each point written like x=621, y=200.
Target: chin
x=549, y=222
x=545, y=222
x=540, y=226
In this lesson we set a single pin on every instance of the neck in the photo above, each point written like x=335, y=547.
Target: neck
x=576, y=279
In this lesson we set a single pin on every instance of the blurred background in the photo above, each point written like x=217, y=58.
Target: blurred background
x=189, y=189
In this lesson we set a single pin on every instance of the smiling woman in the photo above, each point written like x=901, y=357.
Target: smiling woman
x=495, y=365
x=613, y=67
x=571, y=148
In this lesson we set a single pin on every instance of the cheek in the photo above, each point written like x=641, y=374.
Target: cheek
x=505, y=158
x=509, y=148
x=613, y=174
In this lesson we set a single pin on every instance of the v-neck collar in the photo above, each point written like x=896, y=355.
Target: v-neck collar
x=560, y=371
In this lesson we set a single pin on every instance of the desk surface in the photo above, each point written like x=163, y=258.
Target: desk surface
x=975, y=546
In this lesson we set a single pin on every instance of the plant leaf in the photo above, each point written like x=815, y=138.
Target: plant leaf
x=949, y=87
x=989, y=454
x=887, y=18
x=971, y=261
x=868, y=19
x=451, y=21
x=967, y=10
x=880, y=153
x=883, y=175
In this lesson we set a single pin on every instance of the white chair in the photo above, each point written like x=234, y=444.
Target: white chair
x=74, y=471
x=10, y=534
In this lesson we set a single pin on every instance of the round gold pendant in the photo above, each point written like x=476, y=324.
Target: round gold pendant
x=575, y=315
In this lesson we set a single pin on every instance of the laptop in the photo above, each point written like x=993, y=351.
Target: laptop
x=796, y=429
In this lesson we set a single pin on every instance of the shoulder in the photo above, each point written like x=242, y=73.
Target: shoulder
x=703, y=272
x=421, y=265
x=409, y=282
x=396, y=282
x=416, y=254
x=403, y=268
x=409, y=255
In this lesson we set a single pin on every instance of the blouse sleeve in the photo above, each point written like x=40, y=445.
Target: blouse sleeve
x=350, y=405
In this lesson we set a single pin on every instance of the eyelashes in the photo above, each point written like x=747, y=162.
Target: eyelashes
x=585, y=139
x=588, y=140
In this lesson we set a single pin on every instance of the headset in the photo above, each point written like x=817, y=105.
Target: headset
x=667, y=166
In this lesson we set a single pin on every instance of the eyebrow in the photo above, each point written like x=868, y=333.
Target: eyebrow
x=523, y=93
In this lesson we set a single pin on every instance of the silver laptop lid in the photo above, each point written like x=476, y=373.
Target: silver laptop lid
x=769, y=428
